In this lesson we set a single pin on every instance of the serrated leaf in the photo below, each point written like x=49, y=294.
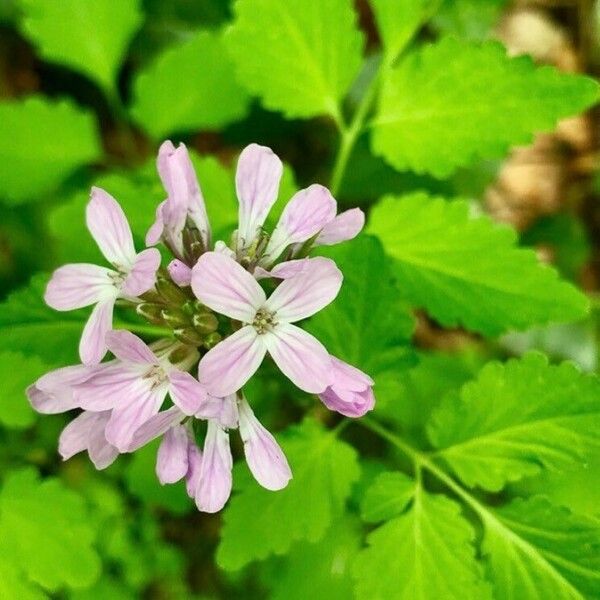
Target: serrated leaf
x=258, y=523
x=42, y=143
x=387, y=497
x=467, y=270
x=319, y=570
x=536, y=550
x=298, y=56
x=516, y=419
x=453, y=102
x=425, y=553
x=188, y=88
x=46, y=529
x=367, y=325
x=17, y=371
x=90, y=36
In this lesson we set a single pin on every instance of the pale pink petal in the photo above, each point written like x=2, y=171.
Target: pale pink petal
x=92, y=346
x=128, y=347
x=265, y=458
x=50, y=403
x=109, y=227
x=65, y=377
x=186, y=392
x=305, y=294
x=180, y=273
x=345, y=226
x=291, y=268
x=192, y=477
x=348, y=377
x=143, y=403
x=228, y=415
x=172, y=457
x=101, y=453
x=348, y=403
x=79, y=285
x=228, y=366
x=222, y=248
x=156, y=229
x=257, y=179
x=214, y=481
x=142, y=276
x=154, y=427
x=74, y=437
x=226, y=287
x=301, y=357
x=110, y=386
x=303, y=217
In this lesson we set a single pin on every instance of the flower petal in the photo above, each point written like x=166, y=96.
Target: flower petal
x=109, y=227
x=265, y=458
x=180, y=273
x=228, y=415
x=111, y=385
x=128, y=347
x=50, y=403
x=172, y=457
x=228, y=366
x=142, y=404
x=74, y=437
x=154, y=427
x=304, y=216
x=301, y=357
x=306, y=293
x=226, y=287
x=142, y=276
x=214, y=481
x=186, y=392
x=348, y=377
x=156, y=229
x=222, y=248
x=345, y=226
x=192, y=477
x=101, y=453
x=348, y=403
x=92, y=346
x=257, y=179
x=78, y=285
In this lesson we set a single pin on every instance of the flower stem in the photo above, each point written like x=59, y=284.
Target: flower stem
x=142, y=329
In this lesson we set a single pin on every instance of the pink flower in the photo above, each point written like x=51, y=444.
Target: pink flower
x=226, y=287
x=184, y=206
x=78, y=285
x=134, y=388
x=310, y=212
x=351, y=392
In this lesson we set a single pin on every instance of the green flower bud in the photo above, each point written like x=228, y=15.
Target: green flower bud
x=150, y=312
x=212, y=339
x=175, y=317
x=205, y=322
x=170, y=292
x=188, y=335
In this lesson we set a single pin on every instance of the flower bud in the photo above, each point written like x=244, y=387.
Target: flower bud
x=170, y=292
x=188, y=335
x=175, y=317
x=150, y=312
x=205, y=322
x=212, y=339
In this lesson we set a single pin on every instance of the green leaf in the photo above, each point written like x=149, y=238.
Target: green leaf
x=90, y=36
x=387, y=497
x=536, y=550
x=259, y=522
x=470, y=19
x=12, y=582
x=42, y=143
x=46, y=529
x=319, y=570
x=367, y=325
x=467, y=270
x=188, y=88
x=17, y=371
x=516, y=419
x=453, y=102
x=299, y=56
x=425, y=553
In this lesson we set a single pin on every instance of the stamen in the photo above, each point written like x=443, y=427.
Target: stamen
x=264, y=321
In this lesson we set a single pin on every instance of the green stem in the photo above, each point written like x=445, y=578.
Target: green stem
x=142, y=329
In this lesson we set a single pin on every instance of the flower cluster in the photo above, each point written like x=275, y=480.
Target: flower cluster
x=218, y=320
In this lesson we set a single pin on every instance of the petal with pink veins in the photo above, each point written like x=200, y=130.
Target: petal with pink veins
x=79, y=285
x=92, y=346
x=257, y=179
x=157, y=228
x=154, y=427
x=109, y=227
x=301, y=357
x=265, y=458
x=142, y=276
x=344, y=227
x=172, y=457
x=228, y=366
x=109, y=387
x=74, y=437
x=128, y=347
x=180, y=273
x=193, y=473
x=226, y=287
x=100, y=451
x=186, y=392
x=308, y=292
x=348, y=403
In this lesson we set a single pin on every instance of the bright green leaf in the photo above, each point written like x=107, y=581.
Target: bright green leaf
x=42, y=143
x=90, y=36
x=516, y=419
x=387, y=497
x=188, y=88
x=453, y=102
x=259, y=522
x=425, y=553
x=536, y=550
x=46, y=529
x=467, y=270
x=17, y=371
x=12, y=582
x=299, y=56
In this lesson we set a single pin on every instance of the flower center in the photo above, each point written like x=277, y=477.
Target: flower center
x=157, y=374
x=264, y=321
